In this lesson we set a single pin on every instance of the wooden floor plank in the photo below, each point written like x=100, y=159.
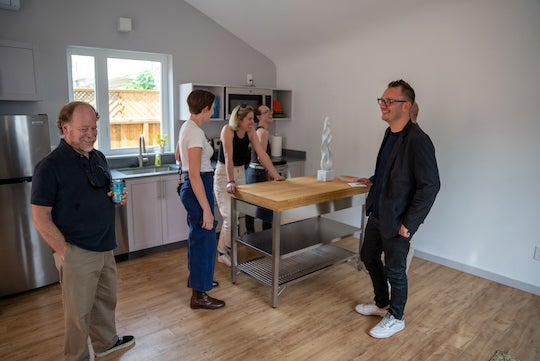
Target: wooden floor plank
x=450, y=315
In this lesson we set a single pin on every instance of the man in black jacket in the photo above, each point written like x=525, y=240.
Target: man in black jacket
x=404, y=187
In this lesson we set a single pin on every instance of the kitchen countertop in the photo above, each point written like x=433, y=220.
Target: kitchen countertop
x=288, y=156
x=149, y=171
x=295, y=192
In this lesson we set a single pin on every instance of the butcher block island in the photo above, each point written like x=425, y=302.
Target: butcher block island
x=302, y=241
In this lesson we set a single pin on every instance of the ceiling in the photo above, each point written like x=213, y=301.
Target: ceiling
x=282, y=28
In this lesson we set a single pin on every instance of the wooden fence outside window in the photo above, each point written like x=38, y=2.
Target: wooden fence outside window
x=132, y=112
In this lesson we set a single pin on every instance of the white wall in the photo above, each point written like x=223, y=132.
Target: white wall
x=475, y=68
x=202, y=51
x=473, y=64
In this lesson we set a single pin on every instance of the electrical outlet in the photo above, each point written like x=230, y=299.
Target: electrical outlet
x=537, y=253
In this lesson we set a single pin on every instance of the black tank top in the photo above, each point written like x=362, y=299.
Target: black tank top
x=254, y=158
x=240, y=150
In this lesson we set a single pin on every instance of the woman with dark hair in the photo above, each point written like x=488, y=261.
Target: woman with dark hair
x=256, y=172
x=198, y=199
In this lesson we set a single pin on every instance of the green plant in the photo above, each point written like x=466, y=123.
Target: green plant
x=144, y=80
x=161, y=140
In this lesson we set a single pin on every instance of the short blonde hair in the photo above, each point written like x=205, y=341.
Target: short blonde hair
x=239, y=113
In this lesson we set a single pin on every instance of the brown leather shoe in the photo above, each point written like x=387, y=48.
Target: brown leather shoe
x=202, y=300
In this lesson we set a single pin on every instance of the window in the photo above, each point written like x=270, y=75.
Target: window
x=130, y=91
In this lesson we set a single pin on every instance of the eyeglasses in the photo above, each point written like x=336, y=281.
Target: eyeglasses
x=99, y=178
x=388, y=102
x=97, y=175
x=266, y=112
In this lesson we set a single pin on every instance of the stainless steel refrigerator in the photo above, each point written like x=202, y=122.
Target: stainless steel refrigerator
x=26, y=262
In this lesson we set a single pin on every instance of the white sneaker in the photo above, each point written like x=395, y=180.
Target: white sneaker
x=387, y=327
x=371, y=309
x=224, y=258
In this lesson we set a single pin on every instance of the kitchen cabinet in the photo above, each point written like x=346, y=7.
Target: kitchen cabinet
x=285, y=99
x=18, y=80
x=302, y=242
x=175, y=227
x=284, y=96
x=155, y=213
x=219, y=103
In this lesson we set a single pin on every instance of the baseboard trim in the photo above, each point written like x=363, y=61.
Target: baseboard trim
x=478, y=272
x=145, y=252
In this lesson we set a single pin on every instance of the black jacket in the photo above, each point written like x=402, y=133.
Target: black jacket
x=410, y=184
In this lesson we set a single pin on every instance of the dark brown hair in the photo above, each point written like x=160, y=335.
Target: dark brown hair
x=200, y=99
x=407, y=90
x=257, y=112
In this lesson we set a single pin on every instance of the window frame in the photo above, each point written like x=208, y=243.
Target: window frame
x=102, y=92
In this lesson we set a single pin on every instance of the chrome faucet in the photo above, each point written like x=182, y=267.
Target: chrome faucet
x=142, y=151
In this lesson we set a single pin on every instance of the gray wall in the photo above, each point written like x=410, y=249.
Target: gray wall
x=202, y=51
x=475, y=68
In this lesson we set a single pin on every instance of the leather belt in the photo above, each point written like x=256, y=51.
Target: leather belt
x=256, y=166
x=202, y=173
x=185, y=175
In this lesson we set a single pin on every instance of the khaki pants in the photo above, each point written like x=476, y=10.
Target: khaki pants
x=89, y=296
x=224, y=202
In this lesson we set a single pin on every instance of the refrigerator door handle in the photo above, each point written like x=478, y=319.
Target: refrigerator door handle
x=15, y=180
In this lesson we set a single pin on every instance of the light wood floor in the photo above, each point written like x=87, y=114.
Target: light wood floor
x=450, y=315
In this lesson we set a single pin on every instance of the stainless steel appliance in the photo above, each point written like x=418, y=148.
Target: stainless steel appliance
x=122, y=241
x=246, y=95
x=26, y=262
x=215, y=143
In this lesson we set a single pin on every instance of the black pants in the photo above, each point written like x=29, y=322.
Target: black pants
x=393, y=270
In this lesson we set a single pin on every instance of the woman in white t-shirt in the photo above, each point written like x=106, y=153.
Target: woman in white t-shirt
x=198, y=199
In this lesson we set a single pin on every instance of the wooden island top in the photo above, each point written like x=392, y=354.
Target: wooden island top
x=295, y=192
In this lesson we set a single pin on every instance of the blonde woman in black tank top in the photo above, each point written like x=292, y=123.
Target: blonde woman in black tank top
x=230, y=171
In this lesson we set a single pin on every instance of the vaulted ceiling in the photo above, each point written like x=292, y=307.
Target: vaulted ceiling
x=282, y=28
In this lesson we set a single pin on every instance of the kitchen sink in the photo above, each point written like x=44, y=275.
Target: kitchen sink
x=148, y=170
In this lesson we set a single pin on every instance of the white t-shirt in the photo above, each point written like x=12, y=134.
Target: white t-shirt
x=191, y=136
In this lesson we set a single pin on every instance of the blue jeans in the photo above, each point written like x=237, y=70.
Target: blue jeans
x=255, y=176
x=201, y=242
x=393, y=270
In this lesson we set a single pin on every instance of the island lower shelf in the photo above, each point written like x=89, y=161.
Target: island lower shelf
x=306, y=248
x=298, y=266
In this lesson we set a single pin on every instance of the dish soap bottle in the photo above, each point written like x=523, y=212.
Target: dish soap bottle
x=157, y=160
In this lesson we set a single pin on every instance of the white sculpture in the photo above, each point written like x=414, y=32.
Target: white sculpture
x=326, y=173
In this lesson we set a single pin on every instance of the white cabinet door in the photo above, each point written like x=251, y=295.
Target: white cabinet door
x=17, y=71
x=156, y=215
x=144, y=213
x=174, y=215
